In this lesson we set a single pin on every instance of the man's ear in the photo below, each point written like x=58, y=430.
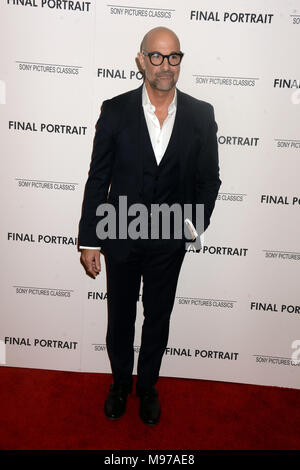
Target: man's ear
x=140, y=58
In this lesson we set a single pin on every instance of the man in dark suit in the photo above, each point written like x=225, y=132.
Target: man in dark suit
x=154, y=145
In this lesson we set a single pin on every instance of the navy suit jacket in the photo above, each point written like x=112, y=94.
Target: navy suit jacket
x=117, y=167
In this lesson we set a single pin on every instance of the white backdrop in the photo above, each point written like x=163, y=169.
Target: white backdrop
x=237, y=311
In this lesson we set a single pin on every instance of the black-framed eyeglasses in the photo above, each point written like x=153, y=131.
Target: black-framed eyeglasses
x=156, y=58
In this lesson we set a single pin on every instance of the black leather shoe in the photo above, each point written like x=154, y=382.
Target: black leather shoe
x=149, y=405
x=115, y=403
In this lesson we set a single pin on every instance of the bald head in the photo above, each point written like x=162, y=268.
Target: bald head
x=159, y=34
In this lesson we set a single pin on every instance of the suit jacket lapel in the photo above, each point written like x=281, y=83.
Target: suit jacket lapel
x=185, y=129
x=131, y=124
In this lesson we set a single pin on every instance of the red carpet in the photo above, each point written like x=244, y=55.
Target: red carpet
x=42, y=409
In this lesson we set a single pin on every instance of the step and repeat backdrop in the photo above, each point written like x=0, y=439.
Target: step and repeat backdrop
x=237, y=312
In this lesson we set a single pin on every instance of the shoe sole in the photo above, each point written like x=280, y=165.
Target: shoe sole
x=149, y=424
x=114, y=418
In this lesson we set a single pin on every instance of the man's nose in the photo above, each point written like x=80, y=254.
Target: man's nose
x=165, y=64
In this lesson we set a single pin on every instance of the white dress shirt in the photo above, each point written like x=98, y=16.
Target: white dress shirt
x=159, y=135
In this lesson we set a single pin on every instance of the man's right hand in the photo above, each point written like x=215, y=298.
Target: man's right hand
x=91, y=261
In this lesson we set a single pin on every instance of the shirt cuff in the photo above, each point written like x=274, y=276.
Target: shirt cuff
x=90, y=247
x=191, y=228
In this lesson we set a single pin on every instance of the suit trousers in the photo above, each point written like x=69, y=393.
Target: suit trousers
x=156, y=262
